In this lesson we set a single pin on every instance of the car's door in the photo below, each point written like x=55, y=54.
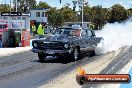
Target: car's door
x=85, y=40
x=91, y=38
x=79, y=40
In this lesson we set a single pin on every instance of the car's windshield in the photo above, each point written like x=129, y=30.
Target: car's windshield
x=68, y=32
x=63, y=31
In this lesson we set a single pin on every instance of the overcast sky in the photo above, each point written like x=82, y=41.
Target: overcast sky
x=104, y=3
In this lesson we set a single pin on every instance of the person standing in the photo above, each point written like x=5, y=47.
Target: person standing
x=33, y=29
x=44, y=28
x=40, y=31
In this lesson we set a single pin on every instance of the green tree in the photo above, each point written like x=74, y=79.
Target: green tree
x=55, y=18
x=95, y=15
x=129, y=12
x=118, y=13
x=88, y=16
x=106, y=14
x=4, y=8
x=100, y=16
x=68, y=14
x=86, y=10
x=42, y=5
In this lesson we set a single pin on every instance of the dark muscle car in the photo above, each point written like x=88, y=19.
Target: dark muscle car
x=68, y=42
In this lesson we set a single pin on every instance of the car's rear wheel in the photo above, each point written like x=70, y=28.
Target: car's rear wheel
x=92, y=53
x=41, y=57
x=75, y=54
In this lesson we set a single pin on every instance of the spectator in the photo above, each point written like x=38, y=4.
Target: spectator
x=40, y=31
x=33, y=29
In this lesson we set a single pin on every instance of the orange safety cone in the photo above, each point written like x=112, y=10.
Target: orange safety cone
x=81, y=71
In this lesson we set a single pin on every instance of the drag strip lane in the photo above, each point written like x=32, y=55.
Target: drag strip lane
x=32, y=74
x=14, y=68
x=92, y=65
x=35, y=76
x=13, y=74
x=16, y=58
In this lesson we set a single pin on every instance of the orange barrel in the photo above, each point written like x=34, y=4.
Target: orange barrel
x=25, y=38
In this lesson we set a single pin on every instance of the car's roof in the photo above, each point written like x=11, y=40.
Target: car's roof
x=74, y=28
x=69, y=28
x=65, y=27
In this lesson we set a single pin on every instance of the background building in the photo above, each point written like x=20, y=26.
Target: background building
x=38, y=16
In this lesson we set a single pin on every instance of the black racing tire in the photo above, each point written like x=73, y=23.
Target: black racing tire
x=92, y=53
x=80, y=80
x=75, y=54
x=41, y=57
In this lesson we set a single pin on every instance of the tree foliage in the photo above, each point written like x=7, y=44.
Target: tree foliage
x=42, y=5
x=68, y=14
x=55, y=18
x=4, y=8
x=118, y=13
x=129, y=12
x=99, y=16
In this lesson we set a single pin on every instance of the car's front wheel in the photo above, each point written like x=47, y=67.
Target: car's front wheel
x=41, y=57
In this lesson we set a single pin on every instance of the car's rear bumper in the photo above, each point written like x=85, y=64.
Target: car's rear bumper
x=51, y=52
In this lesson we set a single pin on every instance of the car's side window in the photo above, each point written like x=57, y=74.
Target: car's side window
x=89, y=33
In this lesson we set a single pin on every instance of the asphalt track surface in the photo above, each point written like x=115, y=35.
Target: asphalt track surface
x=23, y=70
x=114, y=66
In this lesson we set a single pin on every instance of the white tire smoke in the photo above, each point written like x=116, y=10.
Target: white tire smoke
x=115, y=36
